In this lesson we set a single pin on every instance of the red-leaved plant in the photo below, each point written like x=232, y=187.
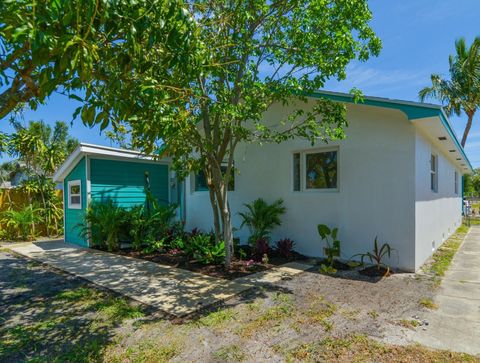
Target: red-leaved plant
x=285, y=247
x=261, y=248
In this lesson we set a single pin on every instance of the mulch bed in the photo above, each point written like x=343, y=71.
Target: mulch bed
x=238, y=268
x=373, y=271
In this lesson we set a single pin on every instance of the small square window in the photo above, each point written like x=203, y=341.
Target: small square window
x=315, y=170
x=321, y=170
x=296, y=172
x=75, y=194
x=200, y=180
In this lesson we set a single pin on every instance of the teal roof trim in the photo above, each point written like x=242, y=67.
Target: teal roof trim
x=413, y=110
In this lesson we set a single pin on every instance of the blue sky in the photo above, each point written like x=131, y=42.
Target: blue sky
x=417, y=36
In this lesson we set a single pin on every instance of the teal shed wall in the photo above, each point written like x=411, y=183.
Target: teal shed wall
x=124, y=181
x=75, y=216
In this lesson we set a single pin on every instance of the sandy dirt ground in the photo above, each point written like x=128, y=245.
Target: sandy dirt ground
x=49, y=316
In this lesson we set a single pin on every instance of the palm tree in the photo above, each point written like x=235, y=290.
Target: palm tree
x=461, y=93
x=42, y=149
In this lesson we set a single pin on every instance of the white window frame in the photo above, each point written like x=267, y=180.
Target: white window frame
x=303, y=167
x=70, y=184
x=456, y=182
x=434, y=173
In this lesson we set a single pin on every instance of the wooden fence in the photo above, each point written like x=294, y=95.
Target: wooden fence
x=17, y=199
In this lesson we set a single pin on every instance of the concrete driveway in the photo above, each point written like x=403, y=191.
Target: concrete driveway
x=455, y=325
x=173, y=290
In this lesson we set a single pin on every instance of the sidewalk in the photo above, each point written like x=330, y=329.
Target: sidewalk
x=173, y=290
x=455, y=325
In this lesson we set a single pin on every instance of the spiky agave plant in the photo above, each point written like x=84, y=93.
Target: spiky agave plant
x=377, y=255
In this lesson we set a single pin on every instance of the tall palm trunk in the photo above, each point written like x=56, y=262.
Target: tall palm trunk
x=41, y=184
x=468, y=126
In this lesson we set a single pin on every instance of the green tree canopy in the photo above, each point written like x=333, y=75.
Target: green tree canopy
x=59, y=45
x=247, y=56
x=460, y=93
x=471, y=187
x=198, y=76
x=40, y=147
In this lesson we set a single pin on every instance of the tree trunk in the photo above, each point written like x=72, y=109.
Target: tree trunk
x=31, y=206
x=227, y=235
x=41, y=184
x=220, y=205
x=216, y=218
x=468, y=126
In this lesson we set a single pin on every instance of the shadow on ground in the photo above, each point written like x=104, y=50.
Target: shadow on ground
x=48, y=316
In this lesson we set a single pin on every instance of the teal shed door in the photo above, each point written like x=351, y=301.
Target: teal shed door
x=75, y=203
x=124, y=182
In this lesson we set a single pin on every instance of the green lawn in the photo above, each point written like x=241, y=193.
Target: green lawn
x=443, y=256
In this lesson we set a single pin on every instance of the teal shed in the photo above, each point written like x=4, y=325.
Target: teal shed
x=99, y=173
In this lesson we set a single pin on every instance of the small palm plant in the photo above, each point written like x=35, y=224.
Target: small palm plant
x=104, y=222
x=22, y=221
x=262, y=217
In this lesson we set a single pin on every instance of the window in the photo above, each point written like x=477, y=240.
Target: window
x=434, y=173
x=315, y=170
x=200, y=180
x=75, y=194
x=456, y=182
x=296, y=171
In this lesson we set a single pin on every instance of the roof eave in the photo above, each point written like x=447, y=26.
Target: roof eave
x=85, y=149
x=413, y=111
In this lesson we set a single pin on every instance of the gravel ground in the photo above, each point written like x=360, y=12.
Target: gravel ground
x=47, y=316
x=267, y=324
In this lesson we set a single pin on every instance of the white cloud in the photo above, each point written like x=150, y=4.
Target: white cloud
x=375, y=81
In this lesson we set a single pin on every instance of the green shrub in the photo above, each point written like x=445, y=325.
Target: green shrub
x=202, y=247
x=21, y=223
x=148, y=225
x=328, y=235
x=104, y=223
x=261, y=218
x=154, y=246
x=107, y=224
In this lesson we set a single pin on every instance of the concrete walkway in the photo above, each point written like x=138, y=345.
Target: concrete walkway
x=173, y=290
x=455, y=325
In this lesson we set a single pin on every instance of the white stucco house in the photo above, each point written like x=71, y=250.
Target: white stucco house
x=397, y=175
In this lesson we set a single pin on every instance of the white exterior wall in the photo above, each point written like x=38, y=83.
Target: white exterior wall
x=376, y=195
x=437, y=214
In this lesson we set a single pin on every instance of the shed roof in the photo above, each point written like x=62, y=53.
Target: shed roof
x=85, y=149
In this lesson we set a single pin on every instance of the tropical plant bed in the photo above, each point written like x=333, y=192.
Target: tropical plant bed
x=374, y=271
x=238, y=267
x=337, y=265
